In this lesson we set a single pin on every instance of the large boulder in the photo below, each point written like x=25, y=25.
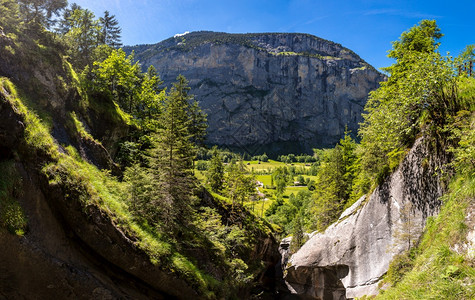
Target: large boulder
x=360, y=246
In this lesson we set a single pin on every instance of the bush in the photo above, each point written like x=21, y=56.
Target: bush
x=202, y=165
x=400, y=265
x=12, y=216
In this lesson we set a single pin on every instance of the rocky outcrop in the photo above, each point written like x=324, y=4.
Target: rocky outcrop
x=364, y=239
x=274, y=92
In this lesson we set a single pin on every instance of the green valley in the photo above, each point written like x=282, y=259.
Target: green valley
x=117, y=183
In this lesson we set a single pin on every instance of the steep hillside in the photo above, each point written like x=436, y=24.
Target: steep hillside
x=68, y=232
x=274, y=92
x=66, y=224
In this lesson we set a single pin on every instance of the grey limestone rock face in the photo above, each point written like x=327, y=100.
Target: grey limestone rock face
x=364, y=238
x=280, y=92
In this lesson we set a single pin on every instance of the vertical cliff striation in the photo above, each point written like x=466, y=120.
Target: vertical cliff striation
x=357, y=249
x=275, y=92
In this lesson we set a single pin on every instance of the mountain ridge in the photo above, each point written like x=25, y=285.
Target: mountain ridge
x=268, y=92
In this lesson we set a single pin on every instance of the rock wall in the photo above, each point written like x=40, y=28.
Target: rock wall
x=363, y=240
x=268, y=92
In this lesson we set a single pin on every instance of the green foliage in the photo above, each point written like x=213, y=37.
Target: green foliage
x=81, y=33
x=172, y=155
x=419, y=96
x=334, y=182
x=281, y=177
x=399, y=266
x=119, y=76
x=87, y=39
x=262, y=157
x=79, y=127
x=110, y=34
x=440, y=267
x=36, y=133
x=85, y=183
x=464, y=151
x=284, y=214
x=41, y=12
x=202, y=165
x=421, y=38
x=10, y=23
x=215, y=174
x=129, y=153
x=12, y=216
x=297, y=235
x=155, y=203
x=144, y=202
x=439, y=271
x=239, y=186
x=226, y=240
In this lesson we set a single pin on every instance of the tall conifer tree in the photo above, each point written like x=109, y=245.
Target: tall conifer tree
x=173, y=154
x=110, y=34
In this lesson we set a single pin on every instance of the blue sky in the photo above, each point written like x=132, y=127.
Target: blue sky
x=365, y=26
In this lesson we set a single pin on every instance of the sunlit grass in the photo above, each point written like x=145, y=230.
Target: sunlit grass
x=97, y=187
x=79, y=127
x=440, y=271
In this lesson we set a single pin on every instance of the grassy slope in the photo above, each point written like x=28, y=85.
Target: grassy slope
x=443, y=265
x=440, y=271
x=99, y=188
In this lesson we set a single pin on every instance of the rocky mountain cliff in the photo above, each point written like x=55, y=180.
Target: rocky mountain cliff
x=274, y=92
x=353, y=254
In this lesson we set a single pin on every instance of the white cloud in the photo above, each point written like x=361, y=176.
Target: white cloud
x=181, y=34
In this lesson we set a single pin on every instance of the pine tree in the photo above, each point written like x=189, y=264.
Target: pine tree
x=110, y=33
x=297, y=235
x=41, y=12
x=81, y=32
x=172, y=156
x=215, y=175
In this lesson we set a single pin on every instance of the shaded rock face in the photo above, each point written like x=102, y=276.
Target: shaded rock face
x=365, y=239
x=66, y=253
x=268, y=92
x=321, y=283
x=73, y=251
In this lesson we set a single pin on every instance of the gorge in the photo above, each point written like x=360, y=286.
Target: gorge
x=107, y=191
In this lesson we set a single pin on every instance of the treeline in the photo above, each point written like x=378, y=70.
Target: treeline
x=74, y=29
x=302, y=158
